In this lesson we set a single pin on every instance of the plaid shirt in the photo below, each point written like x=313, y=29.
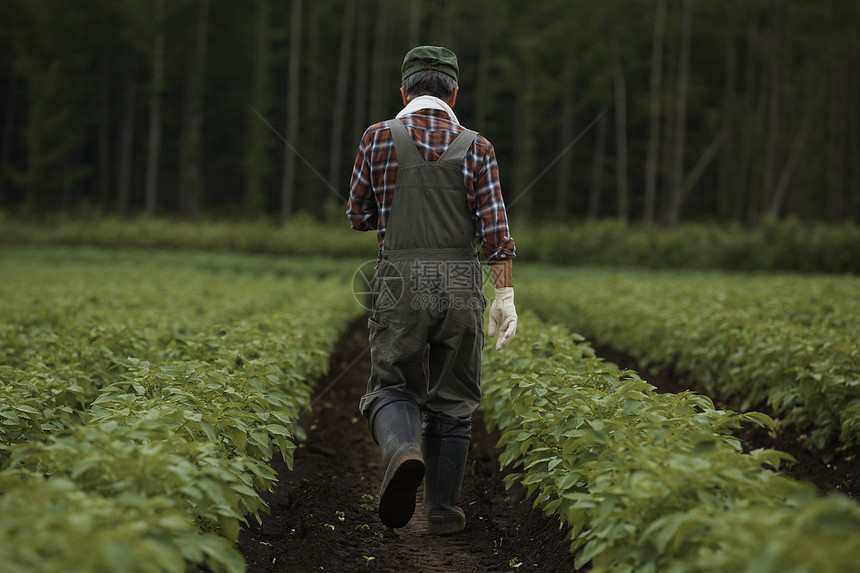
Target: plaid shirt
x=371, y=188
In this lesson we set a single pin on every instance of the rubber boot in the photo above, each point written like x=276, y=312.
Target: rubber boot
x=446, y=447
x=395, y=425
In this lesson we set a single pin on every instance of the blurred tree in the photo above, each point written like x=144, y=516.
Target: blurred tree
x=482, y=80
x=566, y=135
x=380, y=84
x=104, y=103
x=289, y=174
x=10, y=120
x=729, y=113
x=622, y=193
x=257, y=137
x=153, y=155
x=191, y=175
x=360, y=75
x=747, y=119
x=415, y=13
x=49, y=55
x=340, y=96
x=853, y=126
x=843, y=72
x=104, y=123
x=597, y=167
x=654, y=113
x=773, y=41
x=126, y=134
x=673, y=211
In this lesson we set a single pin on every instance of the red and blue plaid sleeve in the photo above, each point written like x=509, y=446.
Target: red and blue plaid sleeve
x=491, y=220
x=362, y=209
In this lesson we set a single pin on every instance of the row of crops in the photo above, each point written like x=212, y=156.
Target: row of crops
x=647, y=482
x=142, y=395
x=786, y=341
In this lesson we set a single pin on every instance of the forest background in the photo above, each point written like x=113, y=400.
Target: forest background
x=660, y=111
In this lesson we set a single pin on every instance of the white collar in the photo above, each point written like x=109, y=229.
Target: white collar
x=427, y=102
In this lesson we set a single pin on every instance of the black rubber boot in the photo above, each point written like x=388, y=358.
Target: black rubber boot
x=446, y=447
x=395, y=424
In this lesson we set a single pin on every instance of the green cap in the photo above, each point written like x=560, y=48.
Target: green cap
x=430, y=58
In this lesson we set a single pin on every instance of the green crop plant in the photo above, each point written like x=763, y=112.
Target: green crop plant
x=787, y=341
x=49, y=525
x=152, y=386
x=645, y=481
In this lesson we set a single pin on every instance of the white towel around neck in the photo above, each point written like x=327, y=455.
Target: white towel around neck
x=427, y=102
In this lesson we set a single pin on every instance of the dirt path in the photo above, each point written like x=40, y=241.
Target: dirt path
x=323, y=512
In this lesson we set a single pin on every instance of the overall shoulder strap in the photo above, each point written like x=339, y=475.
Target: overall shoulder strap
x=407, y=153
x=456, y=152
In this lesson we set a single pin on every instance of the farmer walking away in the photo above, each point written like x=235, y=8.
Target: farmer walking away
x=430, y=188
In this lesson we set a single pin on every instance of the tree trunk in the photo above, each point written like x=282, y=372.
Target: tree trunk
x=10, y=120
x=667, y=135
x=836, y=144
x=782, y=185
x=126, y=138
x=773, y=136
x=482, y=84
x=67, y=179
x=757, y=201
x=257, y=143
x=597, y=170
x=450, y=15
x=524, y=144
x=727, y=154
x=622, y=201
x=289, y=180
x=340, y=93
x=316, y=111
x=441, y=32
x=566, y=135
x=104, y=140
x=414, y=23
x=744, y=170
x=854, y=139
x=191, y=183
x=359, y=116
x=673, y=215
x=154, y=151
x=652, y=161
x=379, y=83
x=702, y=163
x=49, y=132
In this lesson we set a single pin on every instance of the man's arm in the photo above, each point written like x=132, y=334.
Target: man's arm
x=495, y=237
x=361, y=209
x=499, y=249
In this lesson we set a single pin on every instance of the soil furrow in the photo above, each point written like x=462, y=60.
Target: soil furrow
x=323, y=512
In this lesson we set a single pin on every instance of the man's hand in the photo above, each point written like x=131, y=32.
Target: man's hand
x=503, y=316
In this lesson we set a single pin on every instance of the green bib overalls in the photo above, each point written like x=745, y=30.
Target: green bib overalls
x=428, y=290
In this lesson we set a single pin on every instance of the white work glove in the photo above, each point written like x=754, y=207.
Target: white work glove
x=503, y=316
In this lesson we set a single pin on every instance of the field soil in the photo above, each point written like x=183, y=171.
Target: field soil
x=323, y=511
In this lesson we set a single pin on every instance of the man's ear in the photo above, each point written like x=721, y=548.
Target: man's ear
x=453, y=99
x=403, y=94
